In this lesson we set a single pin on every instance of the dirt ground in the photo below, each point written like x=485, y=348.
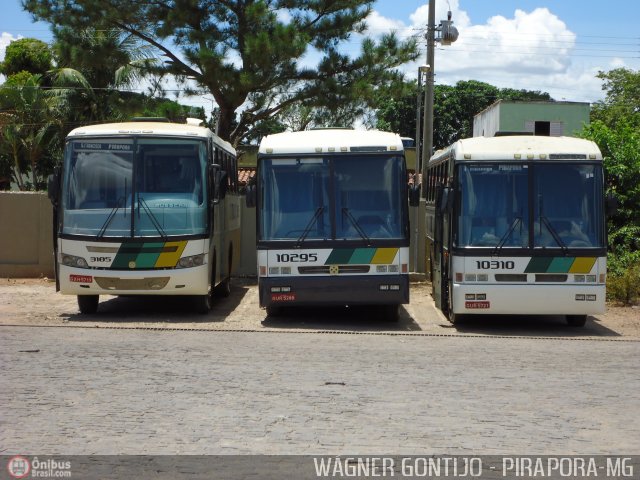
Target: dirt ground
x=34, y=302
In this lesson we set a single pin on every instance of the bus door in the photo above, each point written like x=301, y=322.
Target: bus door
x=442, y=244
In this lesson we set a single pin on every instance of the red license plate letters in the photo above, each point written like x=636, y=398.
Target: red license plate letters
x=477, y=304
x=283, y=297
x=81, y=278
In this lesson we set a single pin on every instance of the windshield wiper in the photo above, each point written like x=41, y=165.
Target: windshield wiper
x=154, y=220
x=355, y=223
x=547, y=224
x=553, y=233
x=507, y=234
x=307, y=229
x=111, y=216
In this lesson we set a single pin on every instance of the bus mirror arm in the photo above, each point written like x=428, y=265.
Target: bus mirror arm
x=414, y=195
x=250, y=196
x=611, y=204
x=53, y=187
x=446, y=204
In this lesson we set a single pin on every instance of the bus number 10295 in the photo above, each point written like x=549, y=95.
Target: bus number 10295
x=296, y=257
x=495, y=264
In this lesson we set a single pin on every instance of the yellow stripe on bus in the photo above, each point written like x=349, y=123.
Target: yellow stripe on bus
x=384, y=256
x=170, y=258
x=582, y=265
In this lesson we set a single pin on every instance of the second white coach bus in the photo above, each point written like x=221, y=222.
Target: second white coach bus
x=146, y=208
x=516, y=225
x=332, y=220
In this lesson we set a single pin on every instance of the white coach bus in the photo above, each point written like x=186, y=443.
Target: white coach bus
x=146, y=208
x=516, y=225
x=332, y=220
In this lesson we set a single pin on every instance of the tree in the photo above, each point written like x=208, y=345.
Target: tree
x=248, y=53
x=29, y=113
x=27, y=55
x=454, y=108
x=622, y=100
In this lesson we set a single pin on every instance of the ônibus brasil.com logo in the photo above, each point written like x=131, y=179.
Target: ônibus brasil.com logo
x=18, y=467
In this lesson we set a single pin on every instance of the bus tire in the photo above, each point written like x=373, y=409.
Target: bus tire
x=454, y=318
x=576, y=320
x=273, y=311
x=224, y=289
x=88, y=304
x=202, y=304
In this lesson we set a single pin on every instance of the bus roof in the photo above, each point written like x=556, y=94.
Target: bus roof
x=324, y=140
x=148, y=128
x=524, y=147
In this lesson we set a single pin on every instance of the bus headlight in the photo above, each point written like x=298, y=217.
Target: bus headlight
x=192, y=261
x=73, y=261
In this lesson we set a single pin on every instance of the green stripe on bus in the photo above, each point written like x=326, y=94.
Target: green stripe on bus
x=363, y=256
x=128, y=252
x=560, y=265
x=538, y=265
x=340, y=256
x=149, y=255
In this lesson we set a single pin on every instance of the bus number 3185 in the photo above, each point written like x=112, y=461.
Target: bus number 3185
x=297, y=257
x=495, y=264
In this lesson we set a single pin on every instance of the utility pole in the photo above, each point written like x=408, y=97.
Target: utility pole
x=427, y=132
x=448, y=35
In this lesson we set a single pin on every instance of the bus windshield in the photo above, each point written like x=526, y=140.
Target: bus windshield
x=332, y=197
x=496, y=202
x=145, y=187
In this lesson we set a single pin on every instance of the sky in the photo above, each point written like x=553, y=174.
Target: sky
x=554, y=46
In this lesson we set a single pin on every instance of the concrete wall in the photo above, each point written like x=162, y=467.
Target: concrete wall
x=26, y=235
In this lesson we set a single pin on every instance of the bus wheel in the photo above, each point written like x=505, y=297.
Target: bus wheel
x=202, y=303
x=576, y=320
x=224, y=289
x=273, y=311
x=88, y=303
x=454, y=318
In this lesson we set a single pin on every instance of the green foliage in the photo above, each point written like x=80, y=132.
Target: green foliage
x=623, y=281
x=454, y=108
x=29, y=116
x=28, y=55
x=622, y=100
x=247, y=54
x=615, y=127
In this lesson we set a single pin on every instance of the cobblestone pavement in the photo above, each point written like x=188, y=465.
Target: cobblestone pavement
x=117, y=391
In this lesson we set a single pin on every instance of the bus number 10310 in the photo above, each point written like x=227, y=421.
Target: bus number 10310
x=296, y=257
x=495, y=264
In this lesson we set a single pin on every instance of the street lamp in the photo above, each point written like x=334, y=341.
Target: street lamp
x=448, y=35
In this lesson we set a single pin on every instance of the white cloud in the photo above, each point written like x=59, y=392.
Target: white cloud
x=530, y=50
x=5, y=40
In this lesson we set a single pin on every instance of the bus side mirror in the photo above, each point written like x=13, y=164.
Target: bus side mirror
x=53, y=187
x=611, y=204
x=221, y=184
x=218, y=182
x=250, y=196
x=414, y=195
x=446, y=203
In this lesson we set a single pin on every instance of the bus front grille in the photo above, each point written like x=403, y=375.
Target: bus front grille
x=333, y=269
x=111, y=283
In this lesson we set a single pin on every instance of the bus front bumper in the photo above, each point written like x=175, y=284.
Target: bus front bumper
x=334, y=291
x=529, y=299
x=177, y=281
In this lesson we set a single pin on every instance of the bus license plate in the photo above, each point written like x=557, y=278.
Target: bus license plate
x=477, y=304
x=81, y=278
x=283, y=297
